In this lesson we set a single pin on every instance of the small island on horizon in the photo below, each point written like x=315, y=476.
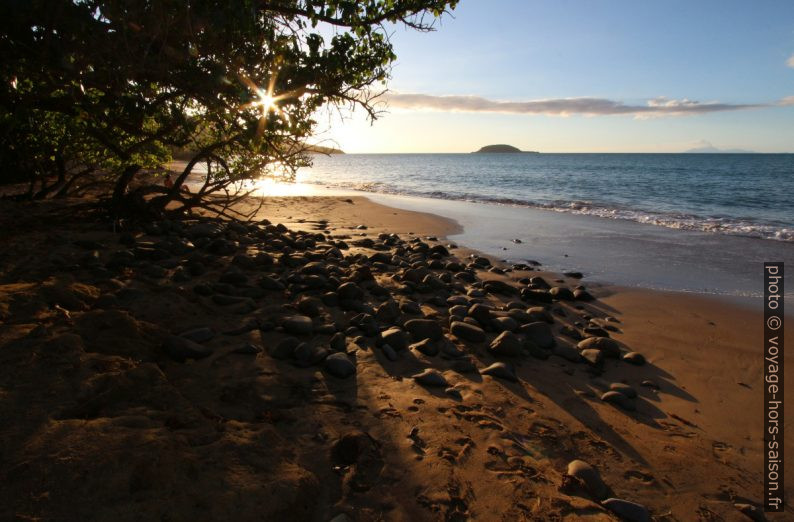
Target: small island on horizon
x=503, y=148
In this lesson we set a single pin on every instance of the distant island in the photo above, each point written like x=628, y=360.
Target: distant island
x=705, y=147
x=715, y=150
x=502, y=148
x=319, y=149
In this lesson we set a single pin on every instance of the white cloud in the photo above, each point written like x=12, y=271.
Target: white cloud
x=654, y=107
x=790, y=61
x=788, y=100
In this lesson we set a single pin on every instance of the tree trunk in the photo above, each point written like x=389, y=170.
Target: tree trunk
x=120, y=189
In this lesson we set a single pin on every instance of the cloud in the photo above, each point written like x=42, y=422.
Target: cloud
x=790, y=61
x=655, y=107
x=788, y=100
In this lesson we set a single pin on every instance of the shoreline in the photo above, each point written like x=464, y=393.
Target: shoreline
x=609, y=251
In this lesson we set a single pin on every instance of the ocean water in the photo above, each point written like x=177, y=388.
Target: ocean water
x=735, y=194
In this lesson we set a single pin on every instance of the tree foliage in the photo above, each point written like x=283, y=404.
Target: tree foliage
x=109, y=87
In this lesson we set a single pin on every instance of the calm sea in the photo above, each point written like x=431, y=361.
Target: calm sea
x=739, y=194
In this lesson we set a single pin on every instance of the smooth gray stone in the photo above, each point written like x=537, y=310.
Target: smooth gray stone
x=506, y=344
x=424, y=329
x=467, y=332
x=199, y=335
x=181, y=349
x=539, y=333
x=339, y=365
x=501, y=370
x=618, y=399
x=589, y=476
x=298, y=325
x=625, y=389
x=610, y=347
x=627, y=510
x=431, y=377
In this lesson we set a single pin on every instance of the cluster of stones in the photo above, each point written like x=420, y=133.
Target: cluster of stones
x=330, y=294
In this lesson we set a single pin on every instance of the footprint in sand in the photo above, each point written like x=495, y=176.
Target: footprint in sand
x=720, y=450
x=457, y=455
x=635, y=475
x=387, y=412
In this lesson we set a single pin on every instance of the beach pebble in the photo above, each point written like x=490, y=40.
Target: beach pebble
x=222, y=247
x=580, y=294
x=541, y=296
x=410, y=308
x=597, y=331
x=204, y=230
x=751, y=512
x=501, y=370
x=625, y=389
x=199, y=335
x=458, y=312
x=618, y=399
x=457, y=300
x=475, y=293
x=389, y=352
x=480, y=312
x=269, y=283
x=538, y=333
x=310, y=306
x=396, y=338
x=426, y=347
x=298, y=325
x=227, y=300
x=626, y=510
x=181, y=349
x=307, y=355
x=538, y=313
x=502, y=324
x=635, y=358
x=350, y=292
x=500, y=287
x=519, y=315
x=247, y=349
x=339, y=365
x=571, y=332
x=431, y=377
x=592, y=356
x=453, y=392
x=284, y=348
x=338, y=342
x=387, y=312
x=562, y=293
x=424, y=329
x=610, y=347
x=467, y=332
x=506, y=344
x=589, y=476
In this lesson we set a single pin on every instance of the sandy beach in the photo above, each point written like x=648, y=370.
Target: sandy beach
x=328, y=370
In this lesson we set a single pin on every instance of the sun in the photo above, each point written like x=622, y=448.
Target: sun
x=266, y=101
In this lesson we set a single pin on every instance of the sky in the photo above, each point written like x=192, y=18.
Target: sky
x=587, y=76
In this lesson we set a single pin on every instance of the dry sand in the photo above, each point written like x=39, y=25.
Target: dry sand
x=99, y=423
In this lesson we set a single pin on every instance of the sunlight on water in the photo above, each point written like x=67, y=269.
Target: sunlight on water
x=273, y=186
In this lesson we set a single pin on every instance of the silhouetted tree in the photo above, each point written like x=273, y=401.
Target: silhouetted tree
x=109, y=87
